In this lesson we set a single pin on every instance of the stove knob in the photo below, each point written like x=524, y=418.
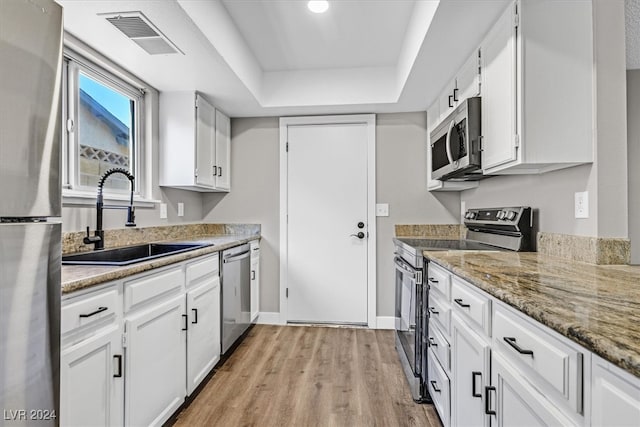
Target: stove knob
x=473, y=215
x=500, y=214
x=511, y=215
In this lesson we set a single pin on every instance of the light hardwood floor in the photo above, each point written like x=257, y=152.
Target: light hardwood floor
x=309, y=376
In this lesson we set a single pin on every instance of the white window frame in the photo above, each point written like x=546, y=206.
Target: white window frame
x=79, y=57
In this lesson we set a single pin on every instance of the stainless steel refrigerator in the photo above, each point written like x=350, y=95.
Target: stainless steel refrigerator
x=30, y=208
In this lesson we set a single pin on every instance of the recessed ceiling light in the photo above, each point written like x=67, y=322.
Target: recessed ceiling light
x=318, y=6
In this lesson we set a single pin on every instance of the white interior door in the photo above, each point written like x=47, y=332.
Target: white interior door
x=327, y=198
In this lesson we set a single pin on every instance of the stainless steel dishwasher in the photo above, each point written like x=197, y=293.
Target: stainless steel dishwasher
x=236, y=294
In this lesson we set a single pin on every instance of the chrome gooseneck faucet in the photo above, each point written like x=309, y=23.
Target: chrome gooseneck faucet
x=98, y=236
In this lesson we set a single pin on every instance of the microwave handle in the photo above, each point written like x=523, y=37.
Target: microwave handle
x=448, y=142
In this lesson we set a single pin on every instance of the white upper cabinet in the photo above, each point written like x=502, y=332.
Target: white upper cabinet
x=537, y=88
x=195, y=144
x=465, y=84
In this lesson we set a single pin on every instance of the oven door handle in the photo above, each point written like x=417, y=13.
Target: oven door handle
x=414, y=274
x=448, y=142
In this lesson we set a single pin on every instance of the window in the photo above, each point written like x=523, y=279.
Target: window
x=102, y=129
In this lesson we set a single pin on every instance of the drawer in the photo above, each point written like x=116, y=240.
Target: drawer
x=150, y=286
x=548, y=362
x=89, y=309
x=472, y=305
x=439, y=389
x=439, y=280
x=440, y=312
x=202, y=268
x=440, y=347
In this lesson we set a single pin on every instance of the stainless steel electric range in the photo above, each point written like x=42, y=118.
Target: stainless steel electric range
x=494, y=229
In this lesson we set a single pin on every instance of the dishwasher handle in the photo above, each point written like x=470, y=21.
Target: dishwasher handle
x=238, y=257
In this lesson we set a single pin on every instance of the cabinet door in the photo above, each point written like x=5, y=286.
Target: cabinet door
x=155, y=363
x=498, y=51
x=255, y=271
x=468, y=79
x=469, y=375
x=203, y=333
x=91, y=381
x=515, y=403
x=205, y=142
x=615, y=396
x=445, y=100
x=223, y=152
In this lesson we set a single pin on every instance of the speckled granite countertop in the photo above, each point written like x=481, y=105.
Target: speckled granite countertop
x=596, y=306
x=77, y=277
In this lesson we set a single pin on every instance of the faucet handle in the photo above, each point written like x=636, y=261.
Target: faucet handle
x=90, y=239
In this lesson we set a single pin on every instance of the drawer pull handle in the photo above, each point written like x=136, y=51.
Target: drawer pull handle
x=432, y=280
x=93, y=313
x=434, y=385
x=118, y=357
x=512, y=342
x=195, y=316
x=433, y=311
x=432, y=342
x=186, y=322
x=460, y=303
x=475, y=375
x=487, y=402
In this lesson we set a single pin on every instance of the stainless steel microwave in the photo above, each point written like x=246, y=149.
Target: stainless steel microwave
x=455, y=144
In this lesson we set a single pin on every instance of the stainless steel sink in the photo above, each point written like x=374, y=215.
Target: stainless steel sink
x=130, y=254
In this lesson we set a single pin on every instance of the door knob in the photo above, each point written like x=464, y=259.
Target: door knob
x=361, y=224
x=360, y=235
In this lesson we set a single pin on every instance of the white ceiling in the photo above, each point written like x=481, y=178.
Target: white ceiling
x=271, y=58
x=286, y=35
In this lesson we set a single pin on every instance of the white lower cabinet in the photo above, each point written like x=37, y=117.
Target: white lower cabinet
x=615, y=395
x=439, y=388
x=132, y=350
x=507, y=369
x=91, y=381
x=91, y=358
x=255, y=280
x=512, y=401
x=155, y=355
x=203, y=333
x=469, y=375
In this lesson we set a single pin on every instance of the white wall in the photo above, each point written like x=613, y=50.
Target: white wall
x=633, y=138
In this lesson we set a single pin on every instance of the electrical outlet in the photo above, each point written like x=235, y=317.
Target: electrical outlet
x=382, y=209
x=582, y=204
x=163, y=211
x=180, y=209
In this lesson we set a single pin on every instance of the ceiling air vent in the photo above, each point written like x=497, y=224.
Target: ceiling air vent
x=138, y=28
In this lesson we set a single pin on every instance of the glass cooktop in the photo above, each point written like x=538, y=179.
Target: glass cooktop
x=447, y=245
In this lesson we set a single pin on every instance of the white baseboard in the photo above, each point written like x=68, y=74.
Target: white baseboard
x=273, y=318
x=385, y=322
x=267, y=318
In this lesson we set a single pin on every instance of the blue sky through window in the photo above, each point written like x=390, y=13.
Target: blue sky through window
x=117, y=104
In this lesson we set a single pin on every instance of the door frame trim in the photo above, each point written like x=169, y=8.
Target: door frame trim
x=370, y=121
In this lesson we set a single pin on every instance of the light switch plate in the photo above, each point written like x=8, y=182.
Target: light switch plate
x=163, y=211
x=180, y=209
x=382, y=209
x=582, y=204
